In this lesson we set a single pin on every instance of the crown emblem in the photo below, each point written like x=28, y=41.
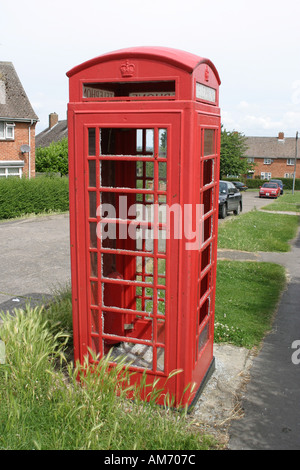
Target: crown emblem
x=127, y=69
x=206, y=74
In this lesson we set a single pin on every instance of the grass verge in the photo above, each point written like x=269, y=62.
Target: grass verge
x=247, y=294
x=258, y=231
x=286, y=202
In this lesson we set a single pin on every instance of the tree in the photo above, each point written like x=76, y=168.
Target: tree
x=233, y=148
x=53, y=158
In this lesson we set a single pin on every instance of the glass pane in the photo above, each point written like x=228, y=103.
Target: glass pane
x=94, y=293
x=162, y=170
x=203, y=337
x=13, y=171
x=93, y=204
x=162, y=135
x=162, y=236
x=95, y=321
x=92, y=141
x=209, y=142
x=150, y=140
x=160, y=356
x=93, y=235
x=208, y=175
x=92, y=173
x=94, y=264
x=139, y=140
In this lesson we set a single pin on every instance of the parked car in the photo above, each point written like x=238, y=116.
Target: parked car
x=239, y=185
x=280, y=184
x=269, y=190
x=230, y=199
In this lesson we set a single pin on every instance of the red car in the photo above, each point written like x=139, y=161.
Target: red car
x=269, y=190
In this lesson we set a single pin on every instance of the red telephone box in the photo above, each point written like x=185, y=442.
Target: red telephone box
x=144, y=146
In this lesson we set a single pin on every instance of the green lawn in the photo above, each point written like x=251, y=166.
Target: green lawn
x=258, y=231
x=246, y=297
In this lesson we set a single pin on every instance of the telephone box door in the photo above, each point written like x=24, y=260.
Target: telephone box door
x=126, y=172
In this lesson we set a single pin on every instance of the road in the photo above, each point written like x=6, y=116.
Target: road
x=251, y=201
x=34, y=258
x=35, y=255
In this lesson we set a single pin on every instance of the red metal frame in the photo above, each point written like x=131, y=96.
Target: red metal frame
x=150, y=300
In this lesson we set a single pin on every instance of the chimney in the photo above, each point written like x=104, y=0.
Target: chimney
x=281, y=136
x=53, y=119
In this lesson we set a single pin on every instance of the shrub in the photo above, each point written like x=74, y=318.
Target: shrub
x=33, y=196
x=53, y=159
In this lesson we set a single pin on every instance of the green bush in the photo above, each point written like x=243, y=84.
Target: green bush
x=53, y=159
x=33, y=196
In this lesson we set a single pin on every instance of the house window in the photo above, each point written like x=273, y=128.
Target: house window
x=7, y=130
x=267, y=161
x=290, y=161
x=288, y=175
x=265, y=176
x=11, y=168
x=250, y=159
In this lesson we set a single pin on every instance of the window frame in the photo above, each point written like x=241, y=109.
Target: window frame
x=7, y=165
x=263, y=175
x=6, y=128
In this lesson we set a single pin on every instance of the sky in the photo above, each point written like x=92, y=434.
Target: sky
x=255, y=46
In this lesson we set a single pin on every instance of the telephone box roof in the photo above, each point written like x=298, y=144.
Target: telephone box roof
x=178, y=58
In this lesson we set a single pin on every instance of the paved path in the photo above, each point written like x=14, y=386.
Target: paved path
x=271, y=402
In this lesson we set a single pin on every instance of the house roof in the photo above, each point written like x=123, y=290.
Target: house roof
x=272, y=147
x=53, y=134
x=14, y=103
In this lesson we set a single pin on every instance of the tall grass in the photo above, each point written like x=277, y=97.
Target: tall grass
x=43, y=405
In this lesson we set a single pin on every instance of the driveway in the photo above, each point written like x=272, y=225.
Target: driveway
x=34, y=258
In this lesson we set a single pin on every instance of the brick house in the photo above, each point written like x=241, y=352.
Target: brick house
x=274, y=157
x=17, y=126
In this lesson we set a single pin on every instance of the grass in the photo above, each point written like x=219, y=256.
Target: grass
x=258, y=231
x=42, y=405
x=286, y=202
x=246, y=297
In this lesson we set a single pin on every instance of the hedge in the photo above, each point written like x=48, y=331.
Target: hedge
x=256, y=183
x=288, y=183
x=33, y=196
